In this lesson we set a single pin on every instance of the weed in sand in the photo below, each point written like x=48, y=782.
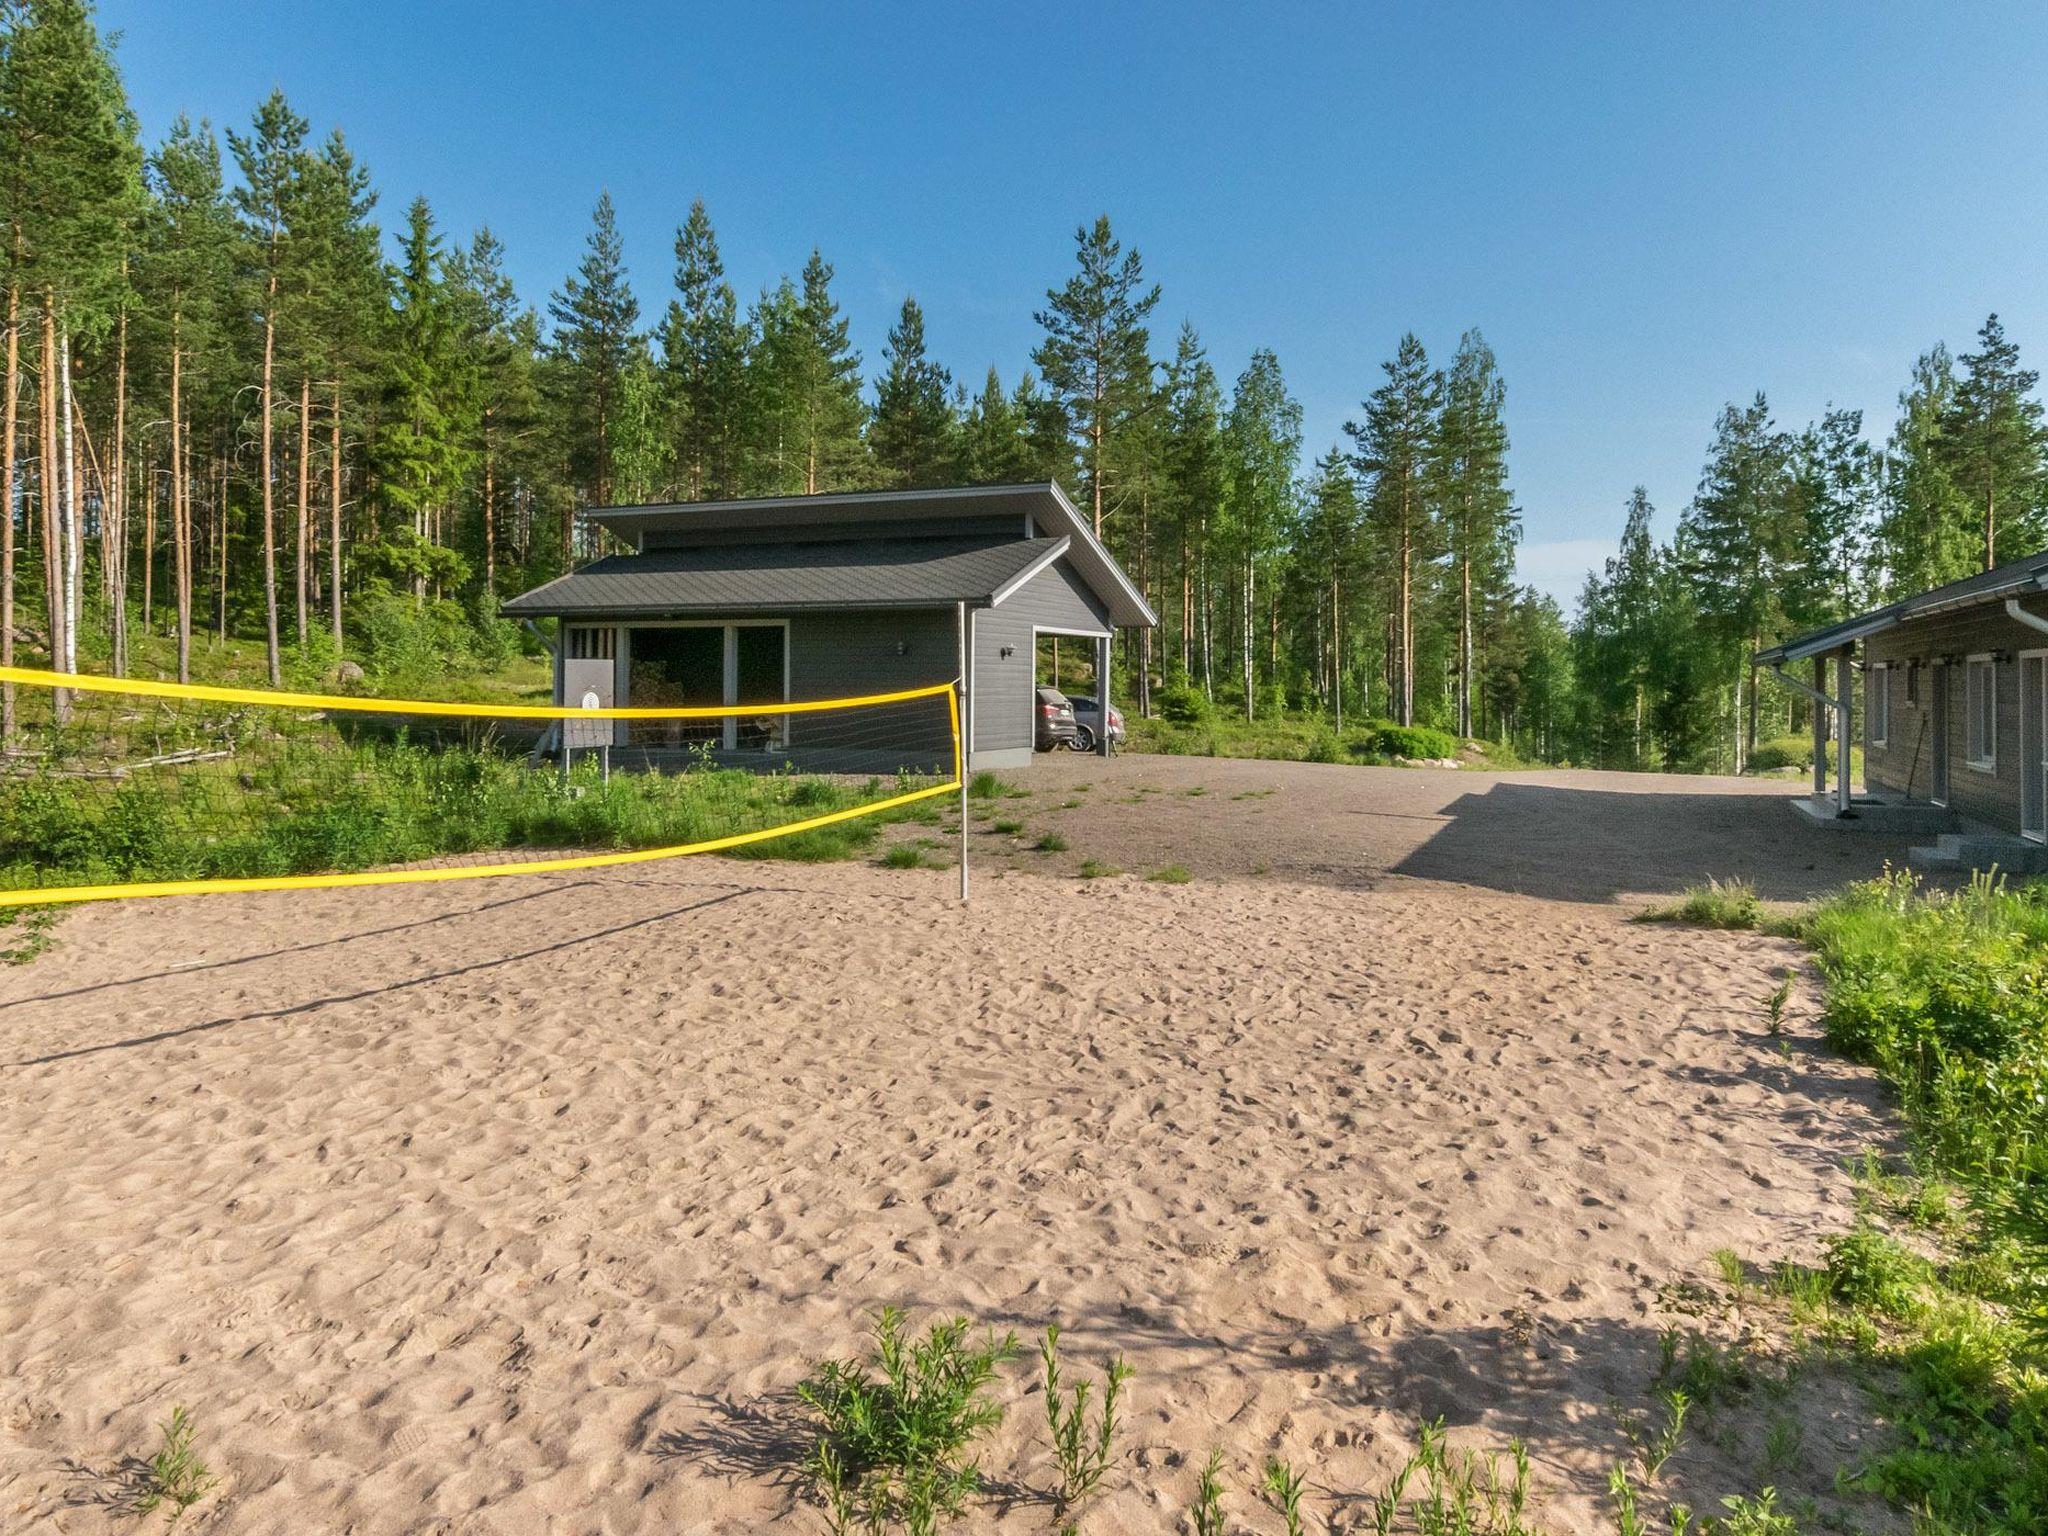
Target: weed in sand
x=1774, y=1006
x=1869, y=1268
x=1654, y=1443
x=1050, y=842
x=1006, y=827
x=1207, y=1515
x=1095, y=869
x=1628, y=1518
x=904, y=856
x=896, y=1427
x=37, y=925
x=1704, y=1371
x=1282, y=1491
x=1083, y=1450
x=1171, y=874
x=1782, y=1443
x=175, y=1478
x=1717, y=904
x=1734, y=1274
x=986, y=786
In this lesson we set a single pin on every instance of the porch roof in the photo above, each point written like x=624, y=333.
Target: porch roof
x=785, y=578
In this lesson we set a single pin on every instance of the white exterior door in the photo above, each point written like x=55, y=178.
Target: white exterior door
x=2034, y=745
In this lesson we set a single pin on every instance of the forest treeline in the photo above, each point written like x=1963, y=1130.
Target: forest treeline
x=237, y=406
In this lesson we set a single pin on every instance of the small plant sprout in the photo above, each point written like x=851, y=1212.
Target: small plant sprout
x=1774, y=1006
x=1282, y=1490
x=1782, y=1443
x=1084, y=1451
x=175, y=1478
x=1654, y=1445
x=1207, y=1515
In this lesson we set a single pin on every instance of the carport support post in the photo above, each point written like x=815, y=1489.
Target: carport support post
x=1102, y=692
x=1820, y=729
x=1844, y=683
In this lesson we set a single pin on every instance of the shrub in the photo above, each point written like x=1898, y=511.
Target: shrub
x=1183, y=705
x=1782, y=752
x=1410, y=741
x=1865, y=1267
x=895, y=1428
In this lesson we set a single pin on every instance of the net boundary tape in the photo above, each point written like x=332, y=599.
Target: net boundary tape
x=68, y=895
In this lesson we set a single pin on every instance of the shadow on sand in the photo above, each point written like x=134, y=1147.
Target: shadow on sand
x=1567, y=842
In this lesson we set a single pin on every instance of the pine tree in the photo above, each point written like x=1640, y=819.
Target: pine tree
x=1392, y=447
x=1739, y=535
x=915, y=434
x=273, y=161
x=70, y=197
x=805, y=383
x=1194, y=477
x=993, y=447
x=1481, y=525
x=425, y=448
x=187, y=261
x=595, y=316
x=1834, y=493
x=1329, y=546
x=1994, y=442
x=494, y=329
x=1927, y=532
x=1262, y=445
x=704, y=358
x=344, y=311
x=1096, y=355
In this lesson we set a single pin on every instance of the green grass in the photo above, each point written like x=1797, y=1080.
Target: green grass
x=1006, y=827
x=1095, y=869
x=1729, y=904
x=904, y=856
x=1945, y=994
x=282, y=803
x=989, y=786
x=1050, y=842
x=1171, y=874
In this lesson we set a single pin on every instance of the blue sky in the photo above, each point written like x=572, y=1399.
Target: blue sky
x=1649, y=210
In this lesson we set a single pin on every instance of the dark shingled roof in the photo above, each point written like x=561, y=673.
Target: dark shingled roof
x=2013, y=579
x=744, y=578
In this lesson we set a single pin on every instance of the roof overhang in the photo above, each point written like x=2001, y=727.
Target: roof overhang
x=1043, y=502
x=2022, y=578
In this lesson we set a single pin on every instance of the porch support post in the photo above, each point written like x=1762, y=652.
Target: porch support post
x=1102, y=690
x=1820, y=729
x=1845, y=681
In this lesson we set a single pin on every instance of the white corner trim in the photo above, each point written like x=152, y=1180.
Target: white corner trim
x=1009, y=587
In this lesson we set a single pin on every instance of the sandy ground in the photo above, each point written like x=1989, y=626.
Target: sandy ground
x=520, y=1206
x=1578, y=835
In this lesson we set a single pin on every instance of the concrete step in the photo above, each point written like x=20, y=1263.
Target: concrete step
x=1964, y=850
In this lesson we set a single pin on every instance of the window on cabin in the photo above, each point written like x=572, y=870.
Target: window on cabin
x=1980, y=704
x=1877, y=703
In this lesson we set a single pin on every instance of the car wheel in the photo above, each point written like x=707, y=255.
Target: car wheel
x=1084, y=739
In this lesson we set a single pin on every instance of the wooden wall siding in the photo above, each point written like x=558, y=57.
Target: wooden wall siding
x=1906, y=761
x=1055, y=598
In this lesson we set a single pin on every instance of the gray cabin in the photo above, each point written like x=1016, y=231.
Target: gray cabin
x=791, y=598
x=1955, y=714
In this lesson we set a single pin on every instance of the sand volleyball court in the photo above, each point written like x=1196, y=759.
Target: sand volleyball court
x=520, y=1206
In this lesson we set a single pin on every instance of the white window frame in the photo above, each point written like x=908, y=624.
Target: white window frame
x=1877, y=703
x=1987, y=761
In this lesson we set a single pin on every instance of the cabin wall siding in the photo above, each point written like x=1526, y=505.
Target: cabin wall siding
x=1056, y=598
x=1904, y=765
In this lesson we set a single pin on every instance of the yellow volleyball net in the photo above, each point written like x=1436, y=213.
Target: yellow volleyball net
x=115, y=787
